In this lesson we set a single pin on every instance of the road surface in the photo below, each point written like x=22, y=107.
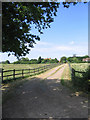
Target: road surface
x=44, y=97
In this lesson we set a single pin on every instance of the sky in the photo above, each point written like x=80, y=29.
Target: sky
x=68, y=35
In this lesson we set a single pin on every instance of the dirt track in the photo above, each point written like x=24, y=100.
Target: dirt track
x=44, y=97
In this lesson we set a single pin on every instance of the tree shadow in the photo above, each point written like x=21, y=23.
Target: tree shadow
x=43, y=98
x=81, y=81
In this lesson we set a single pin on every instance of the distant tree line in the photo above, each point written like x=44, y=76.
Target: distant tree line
x=5, y=62
x=35, y=61
x=64, y=59
x=74, y=59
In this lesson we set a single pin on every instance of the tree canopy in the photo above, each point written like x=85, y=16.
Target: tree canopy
x=18, y=19
x=63, y=59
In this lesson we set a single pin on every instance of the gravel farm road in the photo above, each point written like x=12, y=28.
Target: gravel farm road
x=43, y=96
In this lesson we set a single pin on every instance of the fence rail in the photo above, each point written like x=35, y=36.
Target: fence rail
x=24, y=72
x=73, y=71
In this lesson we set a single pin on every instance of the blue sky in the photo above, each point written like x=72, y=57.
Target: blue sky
x=68, y=35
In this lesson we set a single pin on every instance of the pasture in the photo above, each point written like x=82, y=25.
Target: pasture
x=18, y=69
x=21, y=66
x=15, y=71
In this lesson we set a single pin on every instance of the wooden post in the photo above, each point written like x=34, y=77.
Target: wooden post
x=73, y=75
x=29, y=71
x=14, y=74
x=44, y=68
x=34, y=70
x=2, y=75
x=22, y=72
x=38, y=70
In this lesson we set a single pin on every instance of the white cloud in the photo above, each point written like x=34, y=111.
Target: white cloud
x=47, y=49
x=72, y=42
x=54, y=48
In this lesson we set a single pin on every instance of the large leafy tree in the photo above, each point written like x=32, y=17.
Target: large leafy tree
x=18, y=19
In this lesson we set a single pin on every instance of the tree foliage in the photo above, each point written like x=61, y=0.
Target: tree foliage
x=18, y=19
x=39, y=60
x=35, y=61
x=77, y=59
x=5, y=62
x=63, y=59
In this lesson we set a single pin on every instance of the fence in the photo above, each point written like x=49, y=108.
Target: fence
x=73, y=71
x=21, y=73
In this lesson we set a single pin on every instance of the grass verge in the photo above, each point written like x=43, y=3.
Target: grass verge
x=66, y=77
x=66, y=80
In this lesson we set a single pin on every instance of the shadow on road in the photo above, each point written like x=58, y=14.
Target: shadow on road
x=43, y=98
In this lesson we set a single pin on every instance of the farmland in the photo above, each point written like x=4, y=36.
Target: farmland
x=80, y=66
x=13, y=71
x=21, y=66
x=18, y=67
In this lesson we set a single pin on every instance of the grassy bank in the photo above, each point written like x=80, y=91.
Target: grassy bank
x=81, y=78
x=66, y=77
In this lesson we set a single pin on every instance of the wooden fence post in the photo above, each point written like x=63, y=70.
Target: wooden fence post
x=2, y=75
x=34, y=70
x=14, y=74
x=38, y=70
x=73, y=74
x=22, y=72
x=44, y=68
x=29, y=71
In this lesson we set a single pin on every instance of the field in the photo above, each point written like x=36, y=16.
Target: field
x=21, y=66
x=80, y=66
x=18, y=67
x=81, y=76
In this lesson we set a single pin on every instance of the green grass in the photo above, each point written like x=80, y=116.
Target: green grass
x=21, y=66
x=80, y=66
x=66, y=77
x=18, y=67
x=80, y=82
x=82, y=76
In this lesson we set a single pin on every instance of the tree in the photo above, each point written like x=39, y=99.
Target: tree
x=39, y=60
x=24, y=59
x=63, y=59
x=6, y=62
x=56, y=61
x=33, y=61
x=86, y=56
x=44, y=61
x=18, y=19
